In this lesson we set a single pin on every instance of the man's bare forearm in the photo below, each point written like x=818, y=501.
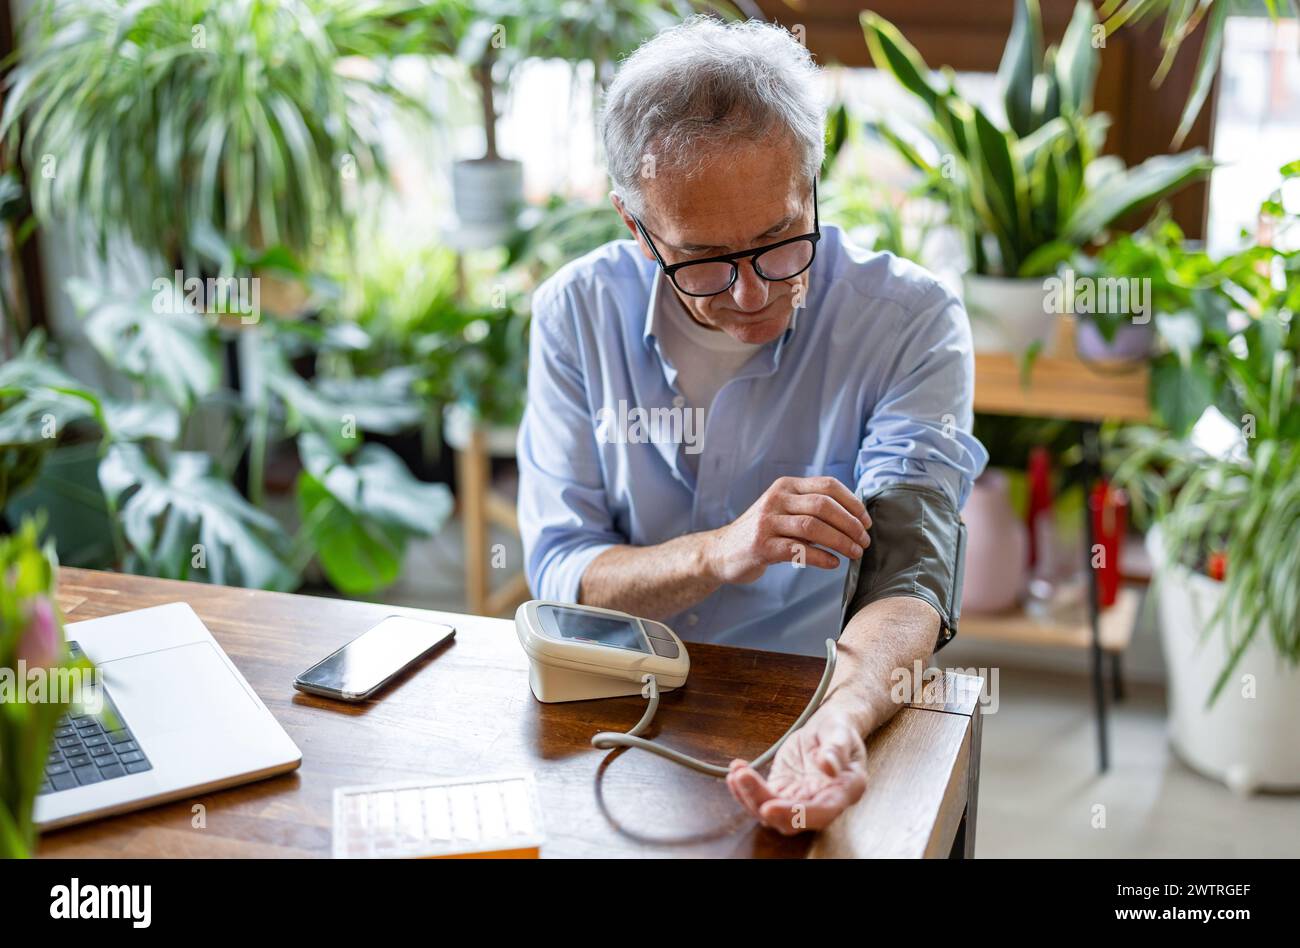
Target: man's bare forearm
x=811, y=518
x=651, y=581
x=884, y=636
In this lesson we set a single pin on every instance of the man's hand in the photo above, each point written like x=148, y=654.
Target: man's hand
x=795, y=514
x=817, y=774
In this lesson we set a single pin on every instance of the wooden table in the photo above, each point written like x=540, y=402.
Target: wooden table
x=468, y=710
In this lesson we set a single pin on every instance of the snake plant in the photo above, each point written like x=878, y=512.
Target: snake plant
x=1029, y=192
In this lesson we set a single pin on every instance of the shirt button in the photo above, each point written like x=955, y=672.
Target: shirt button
x=679, y=401
x=692, y=619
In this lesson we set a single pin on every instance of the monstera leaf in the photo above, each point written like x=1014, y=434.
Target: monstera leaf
x=187, y=522
x=174, y=355
x=334, y=408
x=38, y=399
x=359, y=513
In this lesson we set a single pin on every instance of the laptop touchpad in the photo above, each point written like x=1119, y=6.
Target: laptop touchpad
x=175, y=689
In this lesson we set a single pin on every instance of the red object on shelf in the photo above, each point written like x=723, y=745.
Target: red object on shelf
x=1217, y=566
x=1040, y=495
x=1108, y=507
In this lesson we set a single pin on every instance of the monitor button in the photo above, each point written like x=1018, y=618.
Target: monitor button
x=665, y=648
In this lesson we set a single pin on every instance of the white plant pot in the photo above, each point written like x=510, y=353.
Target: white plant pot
x=1008, y=315
x=458, y=426
x=487, y=193
x=1248, y=743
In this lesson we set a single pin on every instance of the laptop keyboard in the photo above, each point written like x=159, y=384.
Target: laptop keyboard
x=92, y=748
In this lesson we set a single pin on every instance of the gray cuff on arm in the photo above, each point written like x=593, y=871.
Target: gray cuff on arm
x=918, y=548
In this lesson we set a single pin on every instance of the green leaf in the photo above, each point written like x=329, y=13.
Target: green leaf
x=165, y=515
x=1001, y=187
x=1206, y=67
x=41, y=414
x=1180, y=393
x=377, y=486
x=13, y=842
x=138, y=420
x=358, y=556
x=1181, y=331
x=173, y=353
x=1076, y=62
x=891, y=52
x=358, y=517
x=837, y=133
x=1126, y=191
x=340, y=408
x=1047, y=258
x=1020, y=66
x=905, y=149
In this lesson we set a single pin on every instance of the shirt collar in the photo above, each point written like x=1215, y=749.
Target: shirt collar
x=659, y=285
x=651, y=332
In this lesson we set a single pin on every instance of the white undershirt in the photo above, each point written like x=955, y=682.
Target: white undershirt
x=705, y=359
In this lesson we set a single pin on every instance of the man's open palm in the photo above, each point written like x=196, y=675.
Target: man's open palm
x=818, y=773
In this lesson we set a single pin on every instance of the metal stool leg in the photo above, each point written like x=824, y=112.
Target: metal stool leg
x=1091, y=470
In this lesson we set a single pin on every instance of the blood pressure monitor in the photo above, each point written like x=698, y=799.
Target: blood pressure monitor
x=580, y=652
x=577, y=653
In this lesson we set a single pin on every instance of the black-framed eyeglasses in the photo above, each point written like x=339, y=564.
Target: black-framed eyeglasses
x=709, y=276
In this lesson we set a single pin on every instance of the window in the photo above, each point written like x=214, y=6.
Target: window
x=1257, y=126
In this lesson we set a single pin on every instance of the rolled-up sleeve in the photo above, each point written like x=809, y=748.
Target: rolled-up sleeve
x=919, y=430
x=564, y=515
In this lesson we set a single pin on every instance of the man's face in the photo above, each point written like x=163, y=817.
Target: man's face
x=751, y=195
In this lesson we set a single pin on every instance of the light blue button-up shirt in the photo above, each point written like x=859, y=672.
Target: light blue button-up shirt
x=872, y=383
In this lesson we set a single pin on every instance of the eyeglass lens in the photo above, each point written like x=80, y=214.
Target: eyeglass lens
x=779, y=263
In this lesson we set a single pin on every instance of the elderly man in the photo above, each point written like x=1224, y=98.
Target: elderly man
x=738, y=422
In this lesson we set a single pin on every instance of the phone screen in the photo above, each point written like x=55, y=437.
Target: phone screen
x=375, y=656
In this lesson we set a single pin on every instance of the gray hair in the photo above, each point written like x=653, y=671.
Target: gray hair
x=704, y=84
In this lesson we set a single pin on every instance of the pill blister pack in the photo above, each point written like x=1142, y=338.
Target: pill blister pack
x=496, y=816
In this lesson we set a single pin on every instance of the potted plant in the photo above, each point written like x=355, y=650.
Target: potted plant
x=138, y=119
x=1226, y=506
x=37, y=680
x=156, y=136
x=1193, y=320
x=1027, y=195
x=494, y=40
x=1147, y=259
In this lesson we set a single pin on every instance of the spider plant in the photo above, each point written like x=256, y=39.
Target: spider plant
x=1027, y=194
x=158, y=119
x=1181, y=19
x=1240, y=505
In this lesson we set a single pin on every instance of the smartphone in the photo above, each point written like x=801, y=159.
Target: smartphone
x=373, y=658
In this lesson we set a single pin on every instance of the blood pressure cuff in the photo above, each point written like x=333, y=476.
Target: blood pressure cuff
x=918, y=549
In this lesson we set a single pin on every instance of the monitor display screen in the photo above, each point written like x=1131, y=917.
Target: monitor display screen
x=589, y=627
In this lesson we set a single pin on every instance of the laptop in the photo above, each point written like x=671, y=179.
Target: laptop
x=178, y=719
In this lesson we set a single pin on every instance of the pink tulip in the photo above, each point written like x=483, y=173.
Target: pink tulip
x=40, y=645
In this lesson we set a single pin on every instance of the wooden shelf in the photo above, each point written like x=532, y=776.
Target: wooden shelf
x=1061, y=387
x=1017, y=627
